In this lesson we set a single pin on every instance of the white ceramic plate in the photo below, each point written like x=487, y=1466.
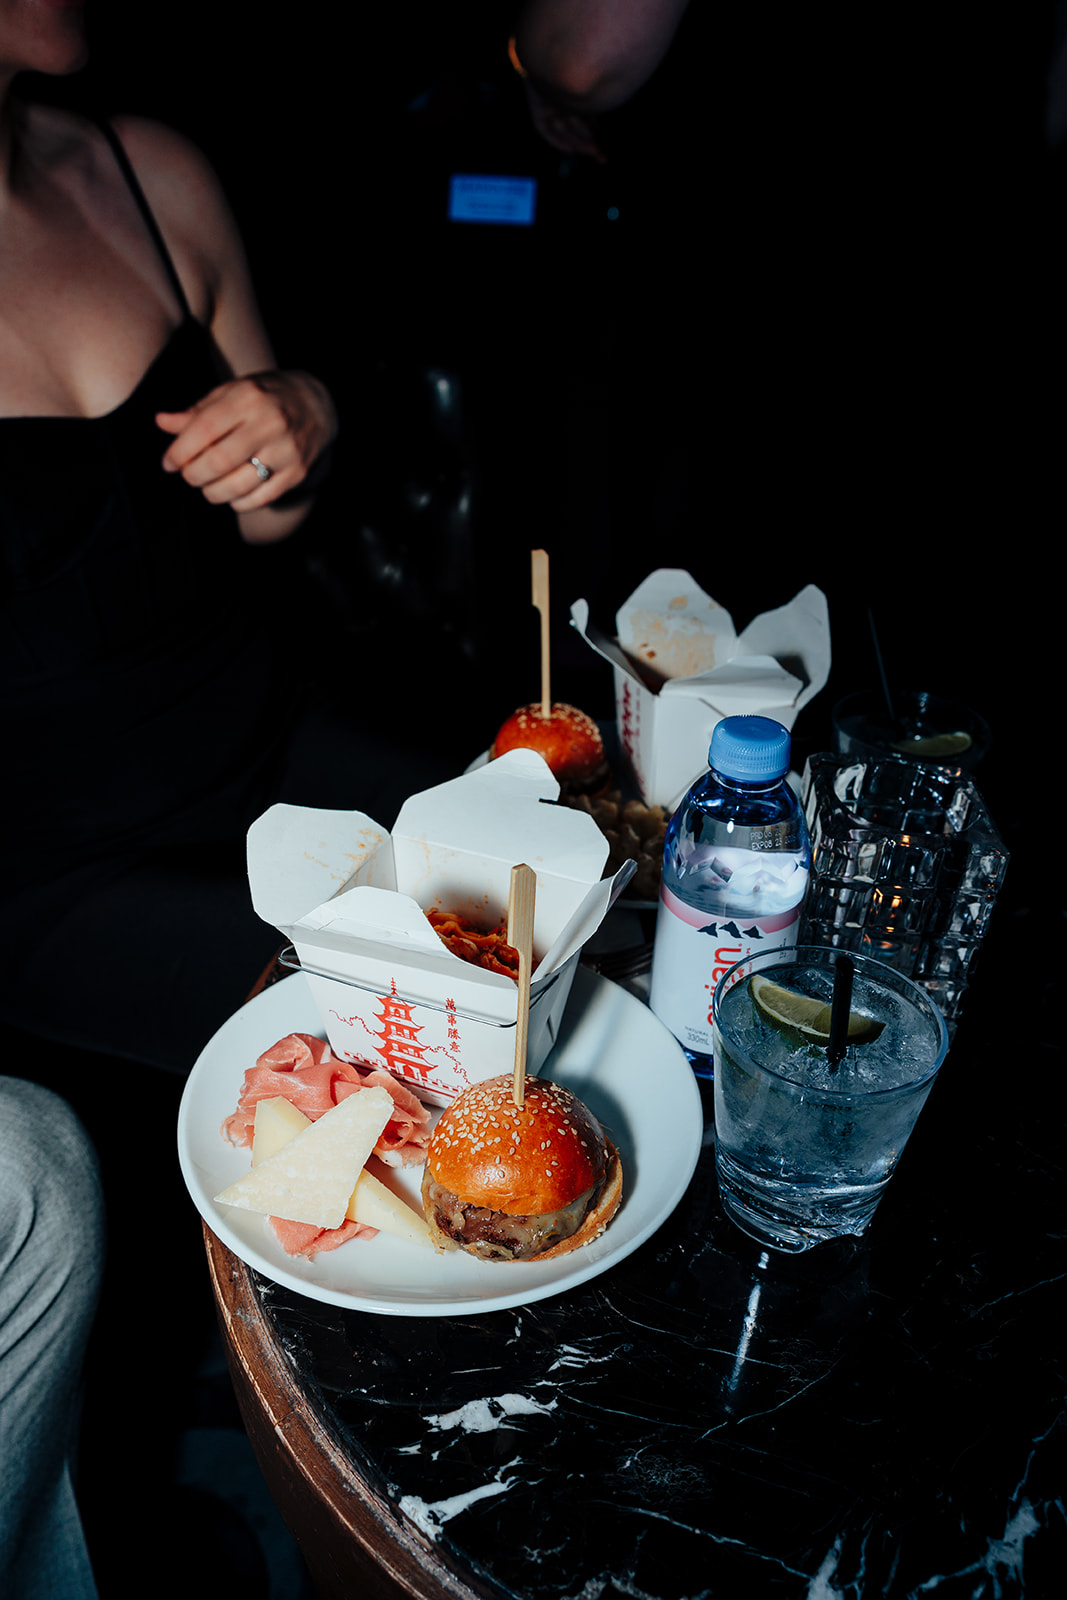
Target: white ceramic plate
x=613, y=1052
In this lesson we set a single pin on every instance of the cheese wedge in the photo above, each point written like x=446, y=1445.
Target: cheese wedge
x=277, y=1121
x=372, y=1203
x=311, y=1178
x=375, y=1204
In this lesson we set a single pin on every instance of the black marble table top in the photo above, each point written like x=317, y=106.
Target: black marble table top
x=884, y=1417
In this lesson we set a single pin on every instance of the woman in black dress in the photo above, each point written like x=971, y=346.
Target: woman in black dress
x=149, y=450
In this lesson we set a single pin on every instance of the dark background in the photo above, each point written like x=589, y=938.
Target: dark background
x=818, y=341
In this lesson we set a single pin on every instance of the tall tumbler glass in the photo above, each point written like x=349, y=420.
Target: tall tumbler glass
x=906, y=867
x=805, y=1148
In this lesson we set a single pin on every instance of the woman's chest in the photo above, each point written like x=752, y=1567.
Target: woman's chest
x=84, y=309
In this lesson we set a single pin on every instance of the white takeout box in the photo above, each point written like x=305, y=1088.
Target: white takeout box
x=771, y=669
x=352, y=898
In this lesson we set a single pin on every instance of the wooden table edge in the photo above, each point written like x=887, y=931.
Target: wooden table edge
x=352, y=1540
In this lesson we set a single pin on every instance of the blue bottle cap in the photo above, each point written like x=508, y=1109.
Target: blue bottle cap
x=752, y=749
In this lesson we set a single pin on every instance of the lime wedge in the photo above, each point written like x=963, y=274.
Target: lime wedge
x=801, y=1014
x=936, y=747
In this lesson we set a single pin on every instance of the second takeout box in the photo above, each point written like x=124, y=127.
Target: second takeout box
x=680, y=667
x=352, y=899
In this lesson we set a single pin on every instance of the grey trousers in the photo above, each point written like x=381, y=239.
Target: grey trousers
x=51, y=1262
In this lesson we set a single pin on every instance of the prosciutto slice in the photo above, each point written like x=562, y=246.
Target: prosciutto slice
x=307, y=1073
x=304, y=1239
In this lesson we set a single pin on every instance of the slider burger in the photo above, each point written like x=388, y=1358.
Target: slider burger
x=510, y=1183
x=566, y=739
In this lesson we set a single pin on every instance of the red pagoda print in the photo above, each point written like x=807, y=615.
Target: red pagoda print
x=399, y=1038
x=629, y=719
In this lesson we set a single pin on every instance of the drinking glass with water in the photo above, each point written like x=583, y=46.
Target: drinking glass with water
x=806, y=1142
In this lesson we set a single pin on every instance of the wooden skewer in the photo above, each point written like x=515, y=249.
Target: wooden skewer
x=520, y=934
x=539, y=569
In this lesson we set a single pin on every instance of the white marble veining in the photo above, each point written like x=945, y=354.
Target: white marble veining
x=479, y=1416
x=430, y=1518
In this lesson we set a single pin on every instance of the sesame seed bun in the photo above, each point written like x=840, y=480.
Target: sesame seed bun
x=513, y=1165
x=567, y=740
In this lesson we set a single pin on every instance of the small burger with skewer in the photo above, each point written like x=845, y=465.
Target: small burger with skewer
x=511, y=1182
x=567, y=740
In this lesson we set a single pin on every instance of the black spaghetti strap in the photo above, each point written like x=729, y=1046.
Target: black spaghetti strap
x=142, y=205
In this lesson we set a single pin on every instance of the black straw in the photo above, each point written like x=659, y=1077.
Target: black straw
x=881, y=666
x=840, y=1010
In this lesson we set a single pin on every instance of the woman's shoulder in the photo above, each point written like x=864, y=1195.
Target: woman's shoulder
x=184, y=194
x=58, y=130
x=161, y=155
x=65, y=139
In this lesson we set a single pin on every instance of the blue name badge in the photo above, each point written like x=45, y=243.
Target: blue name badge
x=489, y=198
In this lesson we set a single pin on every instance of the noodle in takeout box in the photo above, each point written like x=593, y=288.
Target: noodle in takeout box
x=680, y=667
x=352, y=900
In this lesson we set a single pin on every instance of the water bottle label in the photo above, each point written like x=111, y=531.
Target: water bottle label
x=693, y=950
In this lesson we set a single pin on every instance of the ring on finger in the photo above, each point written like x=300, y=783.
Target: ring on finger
x=263, y=472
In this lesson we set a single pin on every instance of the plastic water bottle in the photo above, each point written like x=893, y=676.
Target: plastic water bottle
x=735, y=867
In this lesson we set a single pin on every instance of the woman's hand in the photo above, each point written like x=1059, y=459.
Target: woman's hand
x=283, y=419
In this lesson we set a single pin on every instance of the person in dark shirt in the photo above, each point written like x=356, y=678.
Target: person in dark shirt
x=580, y=60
